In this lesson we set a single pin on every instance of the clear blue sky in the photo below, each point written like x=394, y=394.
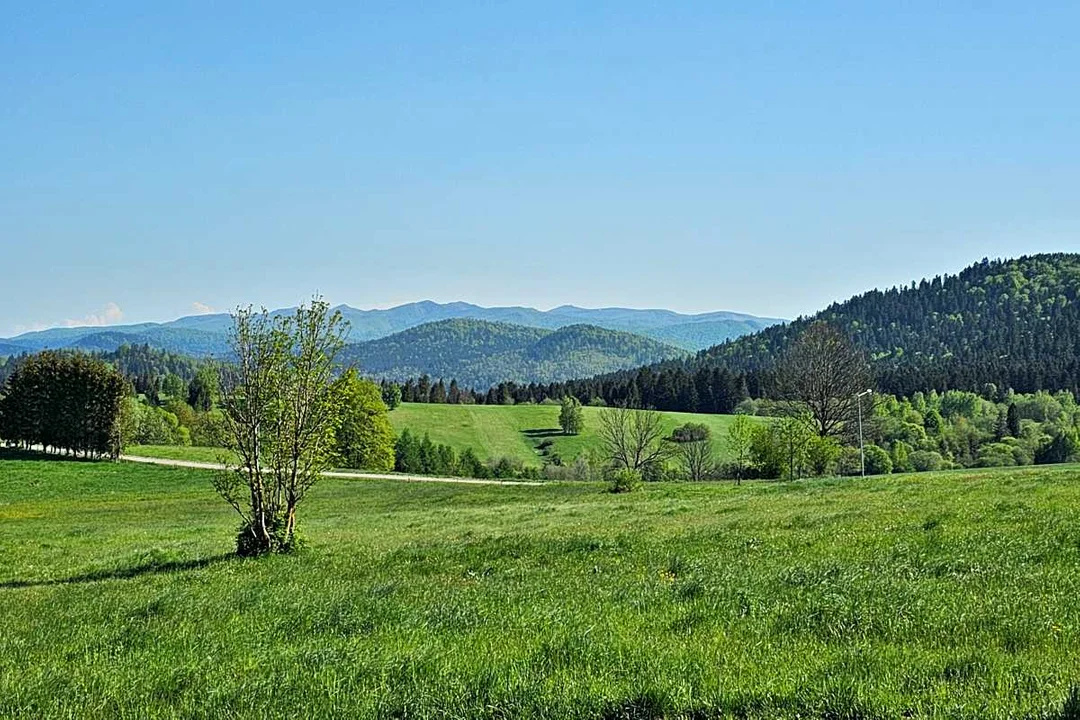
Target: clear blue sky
x=764, y=157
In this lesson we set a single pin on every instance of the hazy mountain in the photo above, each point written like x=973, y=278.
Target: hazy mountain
x=479, y=353
x=193, y=334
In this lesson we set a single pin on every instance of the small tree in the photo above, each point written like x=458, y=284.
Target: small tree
x=282, y=408
x=571, y=416
x=740, y=438
x=391, y=395
x=623, y=480
x=633, y=439
x=795, y=439
x=694, y=449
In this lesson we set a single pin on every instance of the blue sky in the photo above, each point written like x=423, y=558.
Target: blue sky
x=763, y=157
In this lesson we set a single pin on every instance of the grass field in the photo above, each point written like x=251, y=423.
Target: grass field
x=492, y=431
x=514, y=431
x=939, y=595
x=179, y=452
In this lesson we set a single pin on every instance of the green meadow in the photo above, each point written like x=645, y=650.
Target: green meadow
x=516, y=431
x=936, y=595
x=492, y=431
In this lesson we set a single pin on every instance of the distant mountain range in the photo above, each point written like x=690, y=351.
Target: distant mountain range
x=479, y=353
x=205, y=335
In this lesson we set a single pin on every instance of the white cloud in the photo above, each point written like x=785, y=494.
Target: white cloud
x=108, y=315
x=200, y=308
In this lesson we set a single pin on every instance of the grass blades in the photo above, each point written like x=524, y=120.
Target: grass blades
x=937, y=595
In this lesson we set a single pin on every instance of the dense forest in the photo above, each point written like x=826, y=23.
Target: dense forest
x=1012, y=324
x=480, y=353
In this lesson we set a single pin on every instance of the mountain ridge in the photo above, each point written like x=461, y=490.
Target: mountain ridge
x=658, y=324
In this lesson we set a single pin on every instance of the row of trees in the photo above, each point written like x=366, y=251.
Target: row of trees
x=668, y=386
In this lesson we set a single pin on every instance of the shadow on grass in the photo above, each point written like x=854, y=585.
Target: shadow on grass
x=544, y=433
x=153, y=567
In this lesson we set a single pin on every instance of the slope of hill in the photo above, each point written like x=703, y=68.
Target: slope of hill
x=479, y=353
x=1009, y=323
x=517, y=431
x=197, y=343
x=689, y=332
x=7, y=349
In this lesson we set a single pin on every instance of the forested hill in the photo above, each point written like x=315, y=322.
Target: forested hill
x=1012, y=322
x=479, y=353
x=1007, y=323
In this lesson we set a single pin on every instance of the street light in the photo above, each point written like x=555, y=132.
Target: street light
x=862, y=448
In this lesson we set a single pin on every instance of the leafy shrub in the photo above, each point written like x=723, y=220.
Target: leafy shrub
x=623, y=480
x=822, y=454
x=901, y=456
x=878, y=461
x=996, y=455
x=505, y=468
x=766, y=454
x=926, y=461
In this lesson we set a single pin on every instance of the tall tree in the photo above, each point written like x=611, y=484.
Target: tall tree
x=365, y=438
x=822, y=378
x=571, y=416
x=64, y=401
x=282, y=409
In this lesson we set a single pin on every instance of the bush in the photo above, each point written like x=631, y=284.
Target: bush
x=624, y=480
x=504, y=468
x=822, y=454
x=581, y=470
x=901, y=456
x=470, y=466
x=926, y=461
x=208, y=429
x=996, y=455
x=878, y=461
x=766, y=454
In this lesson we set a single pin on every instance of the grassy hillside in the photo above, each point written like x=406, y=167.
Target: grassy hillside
x=480, y=354
x=492, y=431
x=515, y=431
x=946, y=595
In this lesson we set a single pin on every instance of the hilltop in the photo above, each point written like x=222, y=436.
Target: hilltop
x=997, y=324
x=479, y=353
x=1015, y=323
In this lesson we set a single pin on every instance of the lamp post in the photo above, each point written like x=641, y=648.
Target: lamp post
x=862, y=448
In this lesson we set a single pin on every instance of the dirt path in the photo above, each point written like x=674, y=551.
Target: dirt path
x=336, y=474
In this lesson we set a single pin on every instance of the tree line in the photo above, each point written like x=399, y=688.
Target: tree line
x=65, y=402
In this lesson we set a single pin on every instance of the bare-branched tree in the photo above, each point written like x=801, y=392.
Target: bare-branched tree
x=633, y=439
x=821, y=378
x=694, y=450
